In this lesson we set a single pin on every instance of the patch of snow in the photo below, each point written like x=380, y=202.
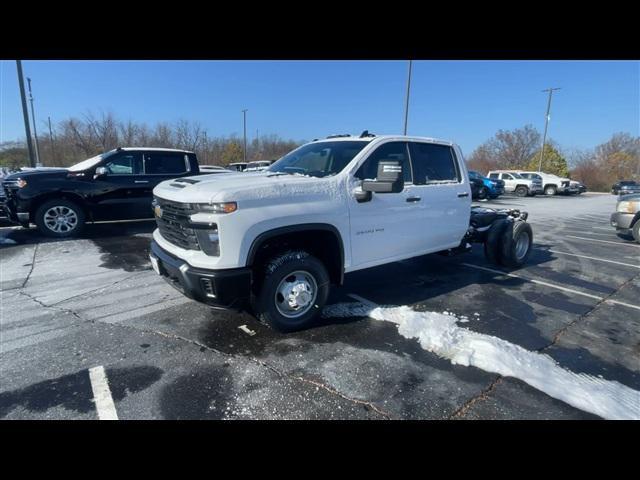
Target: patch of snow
x=439, y=333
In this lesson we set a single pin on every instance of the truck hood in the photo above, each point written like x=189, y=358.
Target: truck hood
x=38, y=173
x=241, y=186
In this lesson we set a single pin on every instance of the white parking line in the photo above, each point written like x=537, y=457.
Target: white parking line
x=605, y=241
x=594, y=258
x=552, y=285
x=101, y=394
x=610, y=234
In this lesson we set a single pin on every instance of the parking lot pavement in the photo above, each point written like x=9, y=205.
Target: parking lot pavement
x=70, y=306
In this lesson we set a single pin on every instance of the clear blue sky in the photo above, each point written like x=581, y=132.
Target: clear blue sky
x=465, y=101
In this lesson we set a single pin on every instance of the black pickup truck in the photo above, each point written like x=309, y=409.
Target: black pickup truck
x=116, y=185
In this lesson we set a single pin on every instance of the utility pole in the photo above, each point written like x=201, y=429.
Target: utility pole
x=33, y=119
x=53, y=152
x=406, y=104
x=25, y=113
x=546, y=125
x=244, y=116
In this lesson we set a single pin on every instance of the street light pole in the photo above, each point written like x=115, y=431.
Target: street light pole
x=406, y=103
x=53, y=152
x=244, y=119
x=33, y=119
x=546, y=125
x=25, y=113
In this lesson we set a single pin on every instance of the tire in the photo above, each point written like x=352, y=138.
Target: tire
x=492, y=242
x=550, y=190
x=483, y=193
x=281, y=273
x=515, y=244
x=635, y=231
x=521, y=191
x=72, y=213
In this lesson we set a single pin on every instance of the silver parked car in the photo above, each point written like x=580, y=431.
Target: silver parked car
x=626, y=218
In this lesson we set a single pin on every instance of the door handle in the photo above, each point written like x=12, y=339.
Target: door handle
x=413, y=199
x=141, y=181
x=465, y=194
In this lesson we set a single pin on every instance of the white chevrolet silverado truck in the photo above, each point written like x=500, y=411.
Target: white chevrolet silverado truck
x=273, y=242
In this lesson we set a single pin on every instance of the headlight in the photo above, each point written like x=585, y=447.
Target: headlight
x=628, y=206
x=226, y=207
x=21, y=183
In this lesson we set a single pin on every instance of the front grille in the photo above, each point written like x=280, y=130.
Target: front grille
x=174, y=224
x=9, y=187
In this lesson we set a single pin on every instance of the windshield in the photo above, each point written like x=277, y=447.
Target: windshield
x=319, y=159
x=89, y=162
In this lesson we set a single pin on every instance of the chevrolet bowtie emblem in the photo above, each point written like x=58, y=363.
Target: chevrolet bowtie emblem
x=158, y=211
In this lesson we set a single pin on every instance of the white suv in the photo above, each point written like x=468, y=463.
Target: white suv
x=515, y=183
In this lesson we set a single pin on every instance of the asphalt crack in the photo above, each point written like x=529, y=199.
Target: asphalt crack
x=281, y=374
x=33, y=265
x=482, y=396
x=578, y=319
x=53, y=307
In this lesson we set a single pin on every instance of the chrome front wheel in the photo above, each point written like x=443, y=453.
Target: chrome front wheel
x=296, y=294
x=60, y=219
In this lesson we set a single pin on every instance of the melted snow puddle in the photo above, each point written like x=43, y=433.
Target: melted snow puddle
x=439, y=333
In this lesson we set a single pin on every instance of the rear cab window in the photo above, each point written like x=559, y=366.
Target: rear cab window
x=165, y=163
x=433, y=163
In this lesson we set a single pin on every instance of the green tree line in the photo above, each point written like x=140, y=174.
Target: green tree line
x=598, y=168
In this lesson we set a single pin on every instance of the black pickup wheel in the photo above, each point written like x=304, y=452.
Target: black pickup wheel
x=60, y=218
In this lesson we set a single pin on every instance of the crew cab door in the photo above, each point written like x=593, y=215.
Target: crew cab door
x=120, y=194
x=445, y=196
x=383, y=228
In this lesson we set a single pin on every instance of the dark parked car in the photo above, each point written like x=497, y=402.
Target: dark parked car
x=626, y=218
x=477, y=188
x=116, y=185
x=625, y=186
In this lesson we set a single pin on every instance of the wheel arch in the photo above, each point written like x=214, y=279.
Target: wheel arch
x=45, y=197
x=316, y=238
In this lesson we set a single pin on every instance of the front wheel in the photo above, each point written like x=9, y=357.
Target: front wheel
x=293, y=293
x=522, y=191
x=60, y=218
x=550, y=190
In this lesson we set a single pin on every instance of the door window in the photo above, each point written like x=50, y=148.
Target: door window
x=392, y=151
x=433, y=163
x=162, y=163
x=125, y=164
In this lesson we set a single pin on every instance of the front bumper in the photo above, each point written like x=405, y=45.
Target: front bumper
x=622, y=221
x=228, y=289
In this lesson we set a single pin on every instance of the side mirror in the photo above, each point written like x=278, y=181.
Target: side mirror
x=100, y=172
x=390, y=179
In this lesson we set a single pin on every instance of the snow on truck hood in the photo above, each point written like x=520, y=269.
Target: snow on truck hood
x=235, y=187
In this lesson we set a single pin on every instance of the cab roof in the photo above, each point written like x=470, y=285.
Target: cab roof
x=355, y=138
